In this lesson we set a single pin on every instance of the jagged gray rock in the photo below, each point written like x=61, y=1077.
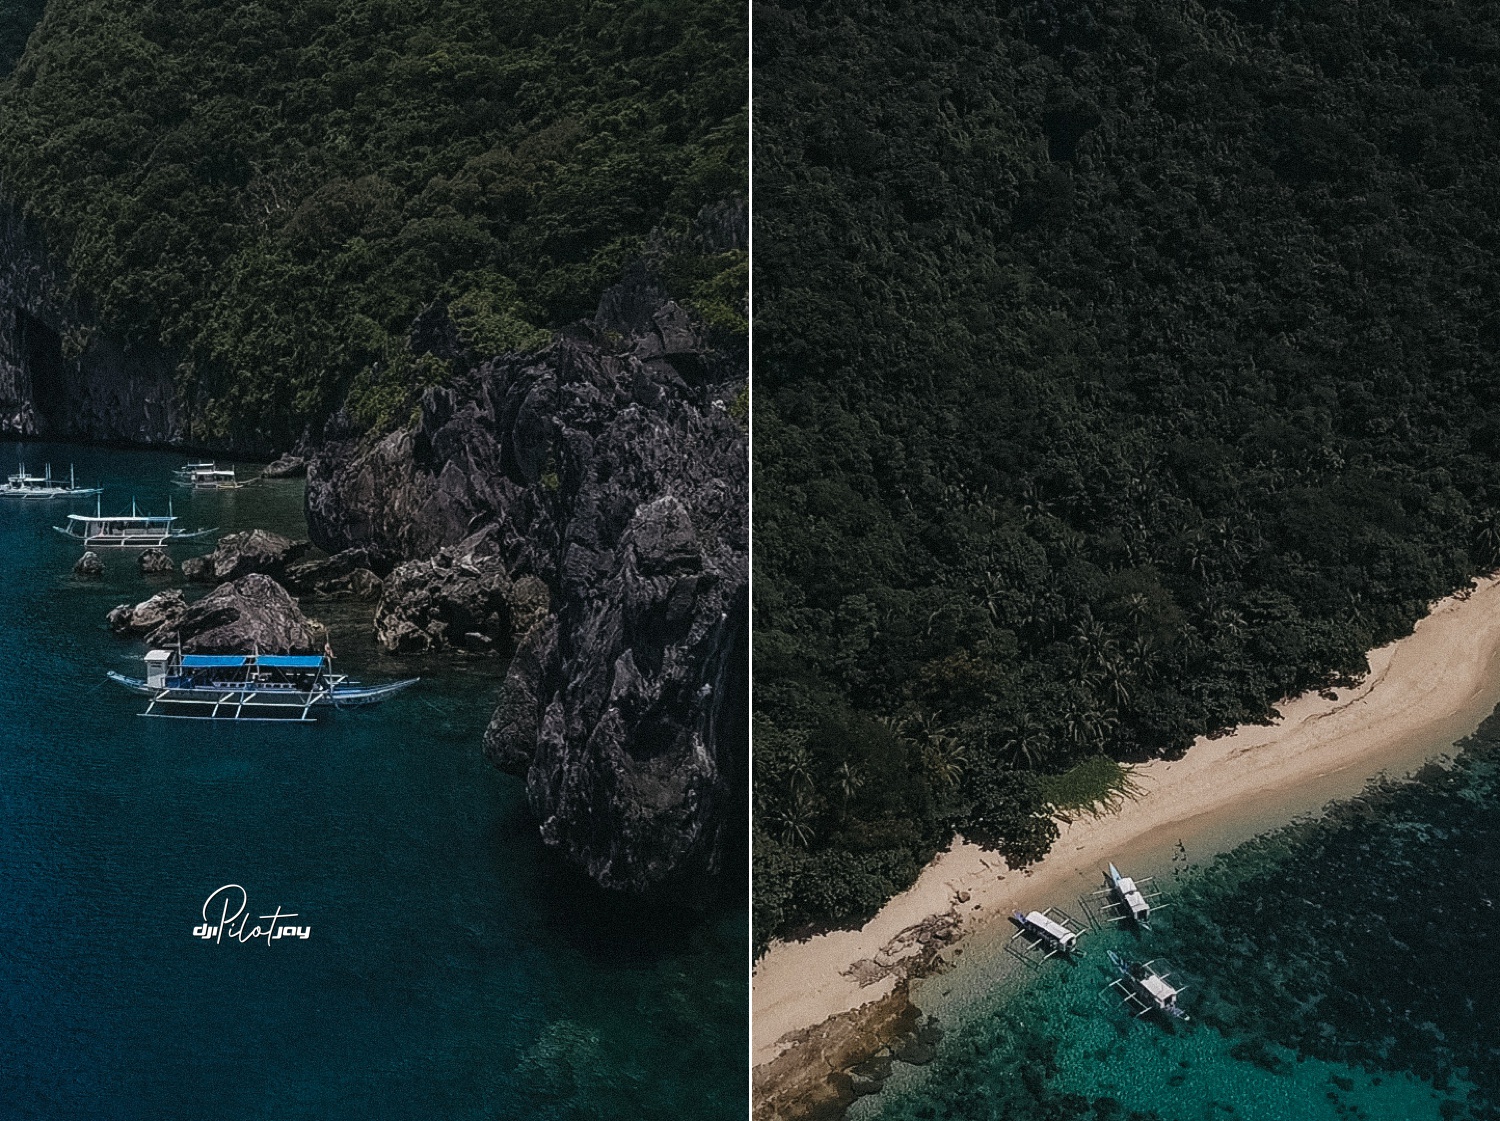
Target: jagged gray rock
x=461, y=599
x=287, y=466
x=89, y=566
x=251, y=614
x=607, y=467
x=156, y=562
x=350, y=574
x=239, y=554
x=161, y=610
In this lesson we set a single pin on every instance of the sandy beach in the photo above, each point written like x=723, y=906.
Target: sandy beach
x=1422, y=693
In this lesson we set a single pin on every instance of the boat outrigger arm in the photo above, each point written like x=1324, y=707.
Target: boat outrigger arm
x=259, y=687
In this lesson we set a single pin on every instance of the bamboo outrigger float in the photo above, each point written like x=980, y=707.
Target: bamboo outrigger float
x=22, y=485
x=1144, y=989
x=250, y=687
x=207, y=476
x=126, y=531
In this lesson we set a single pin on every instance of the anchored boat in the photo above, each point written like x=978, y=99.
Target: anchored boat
x=1128, y=898
x=126, y=531
x=22, y=485
x=207, y=476
x=258, y=687
x=1052, y=932
x=1145, y=989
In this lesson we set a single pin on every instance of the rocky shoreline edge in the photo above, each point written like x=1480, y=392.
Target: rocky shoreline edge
x=822, y=1070
x=580, y=510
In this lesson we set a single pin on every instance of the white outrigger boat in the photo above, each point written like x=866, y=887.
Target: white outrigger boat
x=22, y=485
x=1128, y=898
x=1145, y=989
x=126, y=531
x=1052, y=931
x=207, y=476
x=258, y=687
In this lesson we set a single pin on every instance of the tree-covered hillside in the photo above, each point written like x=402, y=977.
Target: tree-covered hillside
x=275, y=189
x=1123, y=368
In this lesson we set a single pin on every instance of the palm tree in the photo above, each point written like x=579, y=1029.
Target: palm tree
x=850, y=781
x=792, y=819
x=946, y=758
x=1026, y=742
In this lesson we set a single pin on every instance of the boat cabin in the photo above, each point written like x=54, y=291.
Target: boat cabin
x=208, y=476
x=1049, y=930
x=22, y=485
x=1131, y=898
x=123, y=531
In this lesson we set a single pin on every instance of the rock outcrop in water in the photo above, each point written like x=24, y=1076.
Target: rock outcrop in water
x=254, y=614
x=161, y=610
x=286, y=466
x=156, y=562
x=609, y=467
x=350, y=574
x=89, y=566
x=463, y=599
x=239, y=554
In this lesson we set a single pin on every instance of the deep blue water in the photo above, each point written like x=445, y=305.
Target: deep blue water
x=1345, y=967
x=453, y=969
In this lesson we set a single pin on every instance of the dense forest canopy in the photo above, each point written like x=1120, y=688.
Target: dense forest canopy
x=275, y=189
x=1123, y=368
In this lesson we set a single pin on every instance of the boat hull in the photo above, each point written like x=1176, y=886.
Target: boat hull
x=256, y=701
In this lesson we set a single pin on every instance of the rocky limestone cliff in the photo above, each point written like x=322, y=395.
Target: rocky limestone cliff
x=60, y=376
x=608, y=466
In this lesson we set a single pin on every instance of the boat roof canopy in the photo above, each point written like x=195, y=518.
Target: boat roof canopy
x=234, y=661
x=136, y=519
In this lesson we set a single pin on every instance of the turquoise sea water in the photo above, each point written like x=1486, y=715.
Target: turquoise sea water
x=1340, y=968
x=452, y=969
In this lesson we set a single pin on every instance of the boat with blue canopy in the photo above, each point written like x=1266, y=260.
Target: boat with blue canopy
x=259, y=687
x=126, y=531
x=22, y=485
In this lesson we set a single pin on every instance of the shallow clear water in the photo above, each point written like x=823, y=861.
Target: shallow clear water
x=452, y=968
x=1344, y=967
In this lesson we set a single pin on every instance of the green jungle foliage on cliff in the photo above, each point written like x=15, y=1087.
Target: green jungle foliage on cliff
x=1123, y=368
x=275, y=189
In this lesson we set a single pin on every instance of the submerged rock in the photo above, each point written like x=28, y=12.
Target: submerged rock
x=458, y=600
x=161, y=610
x=239, y=554
x=89, y=566
x=251, y=614
x=156, y=561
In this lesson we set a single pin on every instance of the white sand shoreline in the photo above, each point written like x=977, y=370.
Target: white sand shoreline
x=1422, y=694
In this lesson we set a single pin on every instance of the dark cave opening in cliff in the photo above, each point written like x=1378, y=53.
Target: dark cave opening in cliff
x=42, y=348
